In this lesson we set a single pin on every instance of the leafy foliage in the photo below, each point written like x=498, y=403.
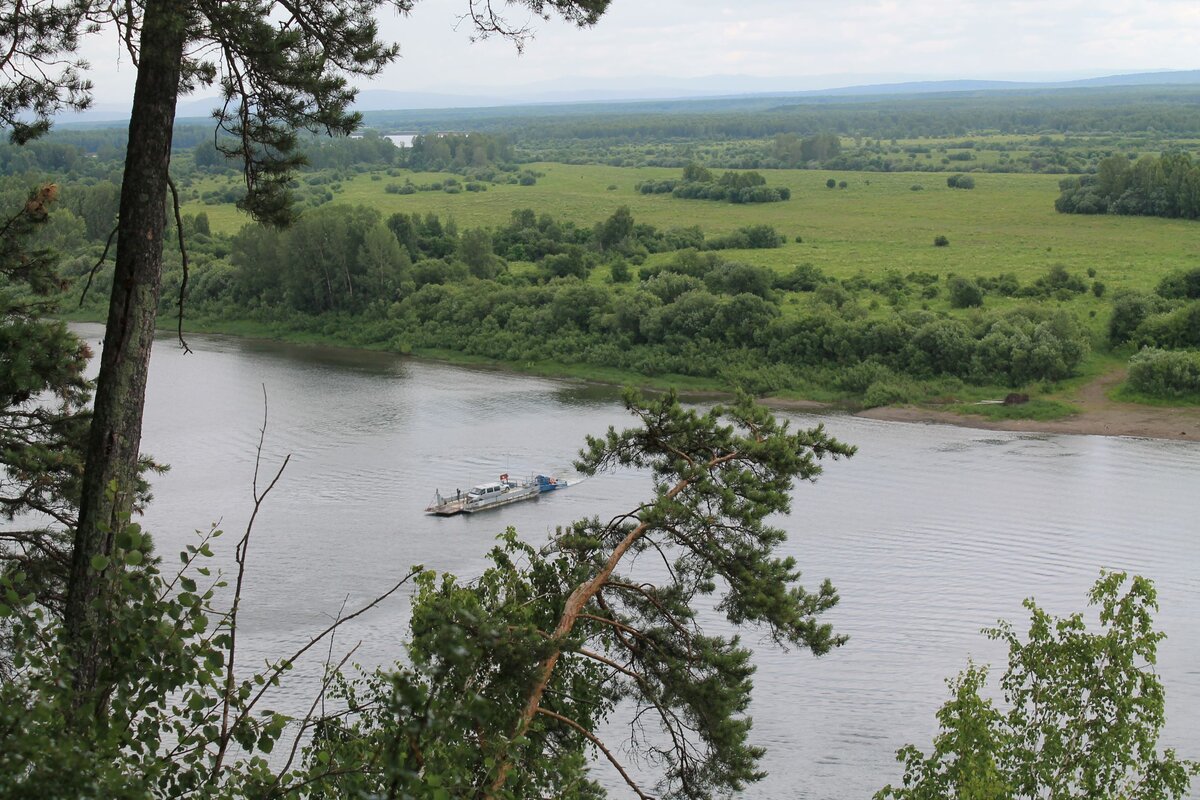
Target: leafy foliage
x=1163, y=186
x=1165, y=373
x=1083, y=712
x=700, y=184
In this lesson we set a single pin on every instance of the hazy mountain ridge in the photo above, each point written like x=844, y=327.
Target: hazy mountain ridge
x=584, y=92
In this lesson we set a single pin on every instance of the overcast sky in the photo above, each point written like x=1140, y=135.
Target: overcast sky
x=818, y=44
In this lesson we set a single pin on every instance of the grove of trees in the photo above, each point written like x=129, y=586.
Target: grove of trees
x=1163, y=186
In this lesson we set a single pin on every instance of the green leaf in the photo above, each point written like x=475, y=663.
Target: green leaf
x=99, y=563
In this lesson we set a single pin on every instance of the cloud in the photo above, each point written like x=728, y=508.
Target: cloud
x=773, y=38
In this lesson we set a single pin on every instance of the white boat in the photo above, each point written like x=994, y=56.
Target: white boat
x=493, y=495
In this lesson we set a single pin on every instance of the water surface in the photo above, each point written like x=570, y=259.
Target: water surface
x=930, y=532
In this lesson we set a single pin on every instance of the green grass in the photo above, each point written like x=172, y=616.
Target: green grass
x=1124, y=393
x=1040, y=409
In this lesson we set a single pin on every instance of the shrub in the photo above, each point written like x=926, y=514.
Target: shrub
x=916, y=187
x=1164, y=373
x=1130, y=310
x=802, y=278
x=941, y=241
x=963, y=292
x=1177, y=328
x=886, y=393
x=1180, y=285
x=830, y=184
x=960, y=181
x=1098, y=288
x=859, y=377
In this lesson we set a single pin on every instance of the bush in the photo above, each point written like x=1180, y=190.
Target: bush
x=886, y=393
x=941, y=241
x=830, y=184
x=960, y=181
x=1130, y=310
x=963, y=292
x=1175, y=329
x=1164, y=373
x=750, y=237
x=858, y=378
x=1180, y=285
x=802, y=278
x=1057, y=283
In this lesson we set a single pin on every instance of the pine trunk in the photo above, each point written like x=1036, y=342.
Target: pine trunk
x=113, y=445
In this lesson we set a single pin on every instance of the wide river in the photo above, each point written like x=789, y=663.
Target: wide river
x=929, y=533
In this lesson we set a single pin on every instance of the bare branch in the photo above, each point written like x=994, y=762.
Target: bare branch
x=600, y=746
x=318, y=700
x=96, y=266
x=240, y=557
x=184, y=257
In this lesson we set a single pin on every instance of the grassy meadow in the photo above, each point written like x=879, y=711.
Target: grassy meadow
x=878, y=222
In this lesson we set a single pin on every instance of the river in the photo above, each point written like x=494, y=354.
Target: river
x=929, y=533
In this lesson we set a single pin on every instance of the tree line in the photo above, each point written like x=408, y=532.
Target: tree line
x=1163, y=186
x=414, y=281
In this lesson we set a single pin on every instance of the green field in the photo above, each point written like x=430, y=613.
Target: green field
x=1006, y=224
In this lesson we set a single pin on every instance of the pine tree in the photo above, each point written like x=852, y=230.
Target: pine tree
x=43, y=406
x=511, y=677
x=282, y=67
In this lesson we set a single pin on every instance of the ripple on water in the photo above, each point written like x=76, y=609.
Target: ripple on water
x=929, y=533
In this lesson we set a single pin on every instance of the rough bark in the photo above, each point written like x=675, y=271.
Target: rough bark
x=112, y=454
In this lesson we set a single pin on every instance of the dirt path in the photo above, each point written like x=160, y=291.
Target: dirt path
x=1099, y=416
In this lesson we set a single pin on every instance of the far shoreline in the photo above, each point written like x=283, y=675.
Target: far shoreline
x=1098, y=416
x=1128, y=420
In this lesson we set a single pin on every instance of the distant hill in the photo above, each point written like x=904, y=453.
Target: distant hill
x=576, y=95
x=727, y=87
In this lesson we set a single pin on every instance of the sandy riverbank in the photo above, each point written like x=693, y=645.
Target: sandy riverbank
x=1099, y=416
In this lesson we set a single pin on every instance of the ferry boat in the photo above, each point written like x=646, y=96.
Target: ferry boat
x=493, y=495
